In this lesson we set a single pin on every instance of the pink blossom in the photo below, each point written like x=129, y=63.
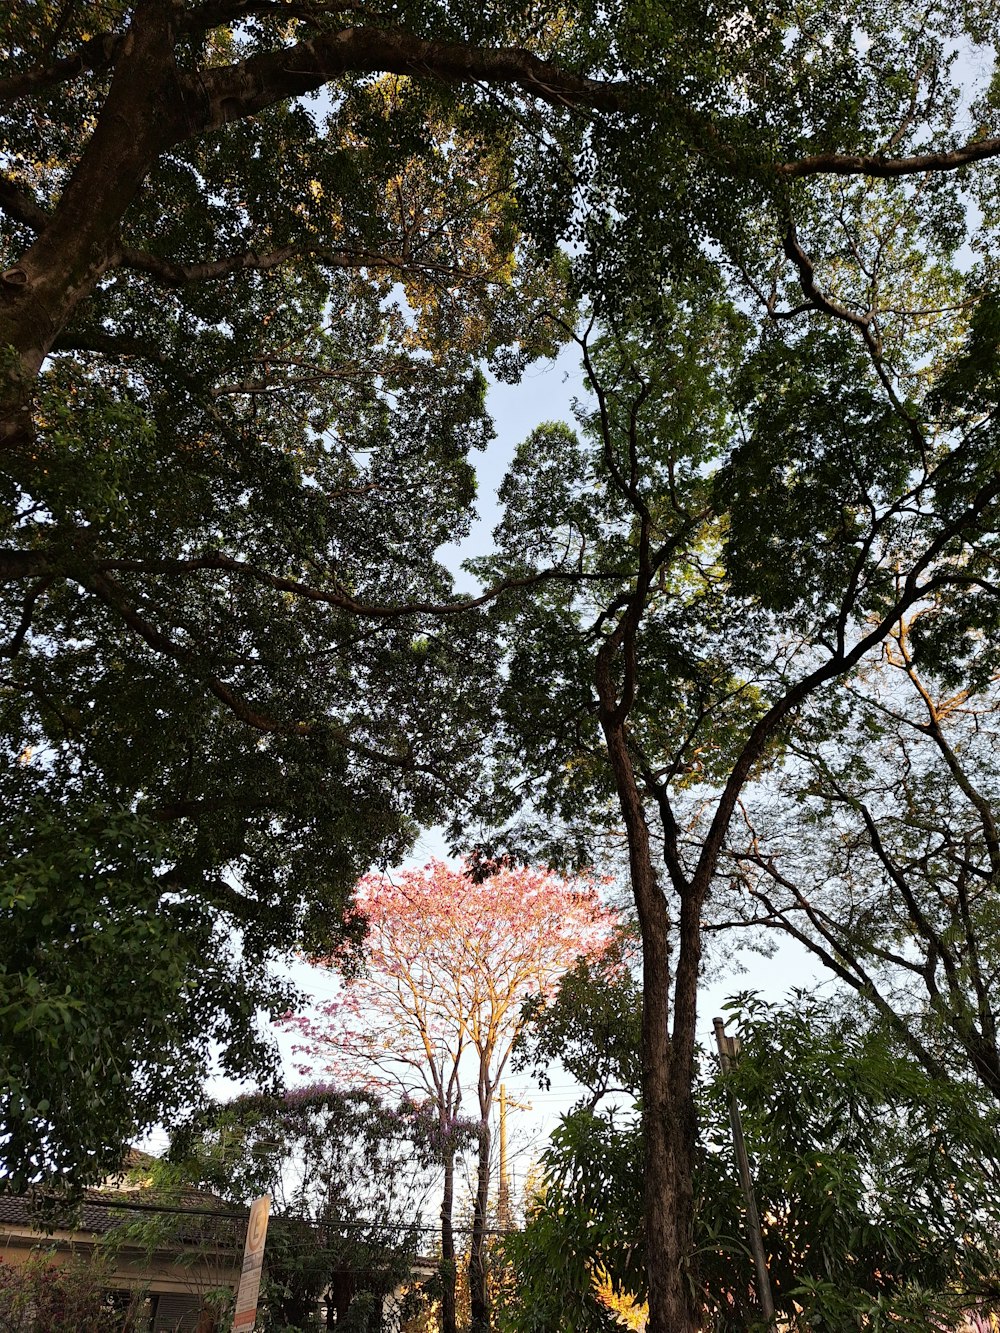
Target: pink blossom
x=449, y=962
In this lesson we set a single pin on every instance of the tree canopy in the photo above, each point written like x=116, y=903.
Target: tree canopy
x=887, y=874
x=256, y=256
x=350, y=1178
x=743, y=517
x=875, y=1182
x=451, y=961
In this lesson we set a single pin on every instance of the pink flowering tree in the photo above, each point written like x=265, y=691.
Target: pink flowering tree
x=449, y=963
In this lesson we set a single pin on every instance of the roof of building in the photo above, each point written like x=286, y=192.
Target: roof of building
x=127, y=1197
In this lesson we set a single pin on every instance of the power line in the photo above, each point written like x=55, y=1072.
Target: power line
x=357, y=1224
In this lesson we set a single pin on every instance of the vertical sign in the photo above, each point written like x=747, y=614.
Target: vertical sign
x=245, y=1314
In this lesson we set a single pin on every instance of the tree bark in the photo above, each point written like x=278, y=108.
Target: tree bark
x=478, y=1289
x=79, y=239
x=448, y=1314
x=668, y=1104
x=153, y=104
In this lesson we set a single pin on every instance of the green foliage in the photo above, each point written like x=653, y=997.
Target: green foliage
x=109, y=990
x=233, y=486
x=660, y=413
x=42, y=1296
x=584, y=1223
x=876, y=1186
x=348, y=1176
x=583, y=1215
x=590, y=1026
x=823, y=448
x=876, y=1183
x=247, y=330
x=257, y=828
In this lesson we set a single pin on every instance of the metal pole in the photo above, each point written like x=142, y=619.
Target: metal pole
x=728, y=1050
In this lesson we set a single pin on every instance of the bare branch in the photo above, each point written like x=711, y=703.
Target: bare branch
x=964, y=783
x=840, y=961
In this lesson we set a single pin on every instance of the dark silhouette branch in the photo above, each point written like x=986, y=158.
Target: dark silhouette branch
x=94, y=56
x=171, y=274
x=21, y=206
x=12, y=648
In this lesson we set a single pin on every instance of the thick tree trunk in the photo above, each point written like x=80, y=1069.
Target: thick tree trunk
x=668, y=1106
x=448, y=1270
x=672, y=1138
x=478, y=1274
x=73, y=248
x=669, y=1140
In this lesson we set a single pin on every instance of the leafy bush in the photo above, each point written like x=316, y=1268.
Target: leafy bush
x=41, y=1296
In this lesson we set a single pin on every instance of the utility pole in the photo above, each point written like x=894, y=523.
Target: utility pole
x=729, y=1049
x=503, y=1195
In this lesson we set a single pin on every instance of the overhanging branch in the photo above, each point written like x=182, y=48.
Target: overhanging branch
x=171, y=274
x=231, y=92
x=20, y=205
x=878, y=166
x=95, y=55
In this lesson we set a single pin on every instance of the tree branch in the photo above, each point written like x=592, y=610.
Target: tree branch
x=18, y=565
x=932, y=728
x=337, y=596
x=21, y=206
x=171, y=274
x=114, y=596
x=877, y=165
x=228, y=93
x=247, y=911
x=94, y=56
x=911, y=590
x=845, y=965
x=12, y=648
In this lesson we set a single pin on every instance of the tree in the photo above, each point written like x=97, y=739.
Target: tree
x=690, y=633
x=244, y=475
x=875, y=1184
x=887, y=871
x=591, y=1025
x=349, y=1177
x=449, y=962
x=875, y=1178
x=89, y=1051
x=582, y=1239
x=199, y=581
